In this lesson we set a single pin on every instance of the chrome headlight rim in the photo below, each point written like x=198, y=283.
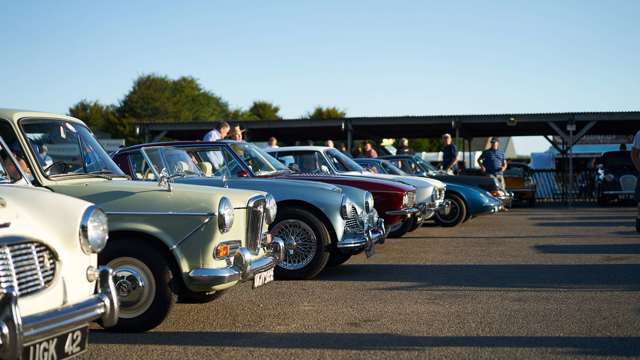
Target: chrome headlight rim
x=368, y=202
x=225, y=215
x=271, y=209
x=345, y=207
x=94, y=230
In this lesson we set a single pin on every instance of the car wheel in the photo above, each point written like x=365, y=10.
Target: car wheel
x=338, y=258
x=457, y=212
x=532, y=202
x=307, y=244
x=402, y=229
x=414, y=224
x=142, y=278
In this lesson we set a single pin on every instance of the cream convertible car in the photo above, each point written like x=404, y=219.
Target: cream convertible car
x=50, y=283
x=164, y=239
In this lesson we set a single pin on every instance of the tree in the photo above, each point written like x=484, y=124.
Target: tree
x=264, y=110
x=94, y=114
x=154, y=98
x=327, y=113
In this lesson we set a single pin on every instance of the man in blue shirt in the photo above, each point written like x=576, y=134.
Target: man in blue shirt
x=492, y=162
x=449, y=154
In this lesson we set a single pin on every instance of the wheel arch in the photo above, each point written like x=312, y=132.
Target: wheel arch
x=464, y=199
x=315, y=211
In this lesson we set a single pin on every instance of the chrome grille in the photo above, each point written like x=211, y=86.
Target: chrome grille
x=28, y=267
x=255, y=222
x=352, y=223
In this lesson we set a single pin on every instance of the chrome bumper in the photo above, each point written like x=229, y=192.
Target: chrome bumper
x=15, y=331
x=243, y=267
x=355, y=243
x=402, y=212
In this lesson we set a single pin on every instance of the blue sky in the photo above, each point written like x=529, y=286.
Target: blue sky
x=367, y=57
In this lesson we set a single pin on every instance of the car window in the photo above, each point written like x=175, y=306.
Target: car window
x=307, y=162
x=66, y=148
x=15, y=149
x=341, y=162
x=140, y=168
x=9, y=168
x=515, y=171
x=390, y=168
x=216, y=162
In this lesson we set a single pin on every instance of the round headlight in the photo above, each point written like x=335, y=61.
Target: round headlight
x=94, y=231
x=271, y=209
x=345, y=207
x=225, y=215
x=368, y=202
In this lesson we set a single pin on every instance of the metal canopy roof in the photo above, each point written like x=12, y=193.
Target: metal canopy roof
x=467, y=126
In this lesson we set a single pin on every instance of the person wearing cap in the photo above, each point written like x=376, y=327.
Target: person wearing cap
x=220, y=132
x=492, y=161
x=236, y=133
x=449, y=154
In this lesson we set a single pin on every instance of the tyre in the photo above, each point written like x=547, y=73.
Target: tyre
x=402, y=230
x=637, y=225
x=307, y=244
x=532, y=202
x=456, y=215
x=414, y=224
x=338, y=258
x=143, y=280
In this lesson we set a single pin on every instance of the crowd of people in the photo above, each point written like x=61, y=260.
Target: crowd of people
x=491, y=162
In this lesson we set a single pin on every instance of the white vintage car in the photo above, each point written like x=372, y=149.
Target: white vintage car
x=50, y=285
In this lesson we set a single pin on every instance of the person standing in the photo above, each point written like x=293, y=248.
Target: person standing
x=236, y=133
x=635, y=158
x=329, y=143
x=449, y=154
x=369, y=151
x=219, y=132
x=492, y=162
x=404, y=147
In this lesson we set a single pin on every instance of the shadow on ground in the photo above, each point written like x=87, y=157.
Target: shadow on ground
x=619, y=277
x=604, y=249
x=620, y=346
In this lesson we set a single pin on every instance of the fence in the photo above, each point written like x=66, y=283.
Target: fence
x=555, y=185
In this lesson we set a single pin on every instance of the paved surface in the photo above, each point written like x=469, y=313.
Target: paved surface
x=527, y=284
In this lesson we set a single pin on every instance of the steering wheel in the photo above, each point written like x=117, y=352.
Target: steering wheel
x=58, y=167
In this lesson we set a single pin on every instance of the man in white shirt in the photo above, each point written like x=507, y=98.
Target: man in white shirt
x=635, y=157
x=272, y=143
x=220, y=132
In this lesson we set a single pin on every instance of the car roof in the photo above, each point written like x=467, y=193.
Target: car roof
x=17, y=114
x=177, y=144
x=299, y=148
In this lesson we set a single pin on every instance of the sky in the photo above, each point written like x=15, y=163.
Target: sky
x=370, y=58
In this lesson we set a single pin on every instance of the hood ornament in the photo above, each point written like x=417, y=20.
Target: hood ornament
x=165, y=180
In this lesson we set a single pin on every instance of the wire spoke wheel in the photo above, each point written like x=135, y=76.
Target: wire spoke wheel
x=300, y=241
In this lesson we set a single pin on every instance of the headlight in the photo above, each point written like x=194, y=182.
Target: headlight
x=225, y=215
x=609, y=177
x=94, y=231
x=408, y=200
x=345, y=207
x=368, y=202
x=271, y=209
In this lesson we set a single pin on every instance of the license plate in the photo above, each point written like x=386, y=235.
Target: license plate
x=63, y=346
x=262, y=278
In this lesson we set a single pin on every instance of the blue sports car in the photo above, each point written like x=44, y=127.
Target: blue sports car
x=464, y=201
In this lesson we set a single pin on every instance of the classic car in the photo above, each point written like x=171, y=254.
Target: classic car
x=51, y=286
x=415, y=165
x=616, y=177
x=318, y=222
x=519, y=181
x=463, y=201
x=165, y=242
x=327, y=160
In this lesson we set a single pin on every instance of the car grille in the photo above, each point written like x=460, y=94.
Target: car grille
x=352, y=223
x=255, y=222
x=411, y=198
x=28, y=267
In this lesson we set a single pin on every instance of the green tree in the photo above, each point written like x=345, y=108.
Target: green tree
x=157, y=98
x=327, y=113
x=96, y=115
x=264, y=110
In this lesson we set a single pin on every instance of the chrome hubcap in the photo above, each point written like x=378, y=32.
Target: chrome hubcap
x=134, y=284
x=300, y=243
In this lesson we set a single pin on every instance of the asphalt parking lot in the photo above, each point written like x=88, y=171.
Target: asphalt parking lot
x=526, y=284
